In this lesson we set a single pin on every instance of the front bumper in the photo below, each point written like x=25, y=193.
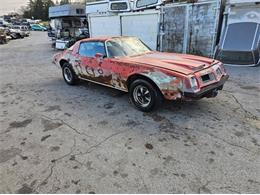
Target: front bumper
x=208, y=91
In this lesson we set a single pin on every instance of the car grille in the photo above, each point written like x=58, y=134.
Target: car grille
x=207, y=77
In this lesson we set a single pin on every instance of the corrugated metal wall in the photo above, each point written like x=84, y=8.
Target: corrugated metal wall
x=174, y=21
x=190, y=28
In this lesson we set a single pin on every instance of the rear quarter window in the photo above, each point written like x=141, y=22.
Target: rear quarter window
x=89, y=49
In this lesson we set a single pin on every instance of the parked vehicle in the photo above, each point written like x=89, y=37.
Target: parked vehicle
x=51, y=33
x=127, y=64
x=10, y=34
x=18, y=34
x=37, y=27
x=22, y=28
x=26, y=30
x=3, y=37
x=7, y=33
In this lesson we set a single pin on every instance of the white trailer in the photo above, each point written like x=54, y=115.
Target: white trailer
x=177, y=27
x=97, y=7
x=144, y=25
x=104, y=25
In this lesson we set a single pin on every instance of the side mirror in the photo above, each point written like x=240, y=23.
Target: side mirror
x=99, y=55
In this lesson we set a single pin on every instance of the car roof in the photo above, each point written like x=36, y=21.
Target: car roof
x=103, y=38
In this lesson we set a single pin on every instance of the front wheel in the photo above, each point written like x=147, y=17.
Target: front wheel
x=69, y=75
x=144, y=95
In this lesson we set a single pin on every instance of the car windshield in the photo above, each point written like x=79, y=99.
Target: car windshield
x=126, y=46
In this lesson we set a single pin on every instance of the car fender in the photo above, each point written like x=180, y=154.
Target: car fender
x=170, y=86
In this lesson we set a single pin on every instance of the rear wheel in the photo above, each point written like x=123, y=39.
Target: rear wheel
x=144, y=95
x=69, y=75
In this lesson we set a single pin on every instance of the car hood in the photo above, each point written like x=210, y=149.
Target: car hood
x=182, y=63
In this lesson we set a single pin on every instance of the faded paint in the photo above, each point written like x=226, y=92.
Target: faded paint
x=169, y=71
x=174, y=21
x=170, y=86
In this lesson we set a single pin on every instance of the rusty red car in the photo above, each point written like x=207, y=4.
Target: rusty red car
x=127, y=64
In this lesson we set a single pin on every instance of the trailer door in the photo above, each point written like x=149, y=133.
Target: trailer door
x=100, y=25
x=191, y=27
x=143, y=25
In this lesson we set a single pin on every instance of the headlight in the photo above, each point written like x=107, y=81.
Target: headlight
x=193, y=83
x=217, y=69
x=222, y=67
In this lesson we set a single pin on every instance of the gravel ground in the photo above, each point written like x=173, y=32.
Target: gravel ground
x=56, y=138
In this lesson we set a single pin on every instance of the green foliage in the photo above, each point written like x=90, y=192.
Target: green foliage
x=37, y=9
x=62, y=2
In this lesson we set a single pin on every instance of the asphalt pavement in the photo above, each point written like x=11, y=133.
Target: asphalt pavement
x=56, y=138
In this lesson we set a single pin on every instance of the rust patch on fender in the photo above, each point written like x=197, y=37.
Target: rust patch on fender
x=170, y=86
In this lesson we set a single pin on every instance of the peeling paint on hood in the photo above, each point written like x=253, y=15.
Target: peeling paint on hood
x=185, y=64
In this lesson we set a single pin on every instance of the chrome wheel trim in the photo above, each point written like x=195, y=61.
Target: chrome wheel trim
x=142, y=96
x=67, y=74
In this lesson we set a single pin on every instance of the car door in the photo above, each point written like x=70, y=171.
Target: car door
x=92, y=60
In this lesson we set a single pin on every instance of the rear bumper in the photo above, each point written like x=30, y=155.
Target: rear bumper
x=208, y=91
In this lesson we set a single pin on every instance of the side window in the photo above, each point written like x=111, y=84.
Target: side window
x=89, y=49
x=114, y=49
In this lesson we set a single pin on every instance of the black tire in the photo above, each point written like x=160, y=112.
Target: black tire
x=69, y=75
x=144, y=95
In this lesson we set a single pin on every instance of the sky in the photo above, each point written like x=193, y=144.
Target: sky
x=7, y=6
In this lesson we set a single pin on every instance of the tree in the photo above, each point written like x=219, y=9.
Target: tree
x=46, y=5
x=62, y=2
x=38, y=9
x=24, y=11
